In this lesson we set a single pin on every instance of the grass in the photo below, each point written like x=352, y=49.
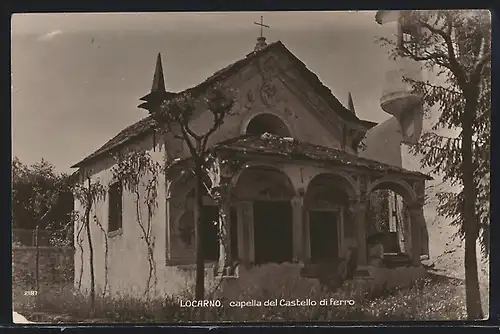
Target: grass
x=432, y=298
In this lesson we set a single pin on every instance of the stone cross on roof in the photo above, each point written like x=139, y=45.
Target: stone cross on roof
x=261, y=41
x=262, y=26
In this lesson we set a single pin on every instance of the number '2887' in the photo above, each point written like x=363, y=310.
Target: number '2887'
x=30, y=293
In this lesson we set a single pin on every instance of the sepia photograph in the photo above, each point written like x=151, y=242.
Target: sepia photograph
x=231, y=167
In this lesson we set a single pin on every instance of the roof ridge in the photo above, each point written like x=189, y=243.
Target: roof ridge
x=204, y=84
x=131, y=132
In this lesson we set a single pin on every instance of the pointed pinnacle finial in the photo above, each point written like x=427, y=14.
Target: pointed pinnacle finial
x=158, y=78
x=350, y=104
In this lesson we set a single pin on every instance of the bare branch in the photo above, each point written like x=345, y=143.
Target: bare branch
x=196, y=136
x=446, y=35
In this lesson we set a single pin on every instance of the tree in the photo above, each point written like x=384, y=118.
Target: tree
x=176, y=116
x=456, y=46
x=40, y=197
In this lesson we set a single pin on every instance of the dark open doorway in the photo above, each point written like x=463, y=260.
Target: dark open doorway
x=273, y=234
x=323, y=227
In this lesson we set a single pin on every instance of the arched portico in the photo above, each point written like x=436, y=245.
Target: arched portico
x=275, y=196
x=325, y=202
x=263, y=196
x=397, y=185
x=411, y=220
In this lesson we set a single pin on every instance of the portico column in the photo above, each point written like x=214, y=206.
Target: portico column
x=225, y=256
x=298, y=228
x=358, y=206
x=244, y=211
x=222, y=196
x=416, y=221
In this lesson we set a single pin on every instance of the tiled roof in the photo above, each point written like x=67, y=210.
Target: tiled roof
x=267, y=144
x=145, y=125
x=140, y=128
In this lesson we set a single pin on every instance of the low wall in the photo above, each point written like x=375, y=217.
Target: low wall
x=271, y=280
x=56, y=265
x=258, y=281
x=382, y=280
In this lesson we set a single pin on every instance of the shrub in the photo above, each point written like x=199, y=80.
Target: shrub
x=428, y=299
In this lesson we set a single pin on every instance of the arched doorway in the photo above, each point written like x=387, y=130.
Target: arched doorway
x=385, y=213
x=210, y=226
x=270, y=191
x=269, y=123
x=388, y=213
x=182, y=201
x=325, y=201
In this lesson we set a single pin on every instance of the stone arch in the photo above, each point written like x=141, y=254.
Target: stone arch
x=397, y=185
x=267, y=122
x=266, y=193
x=407, y=194
x=180, y=185
x=262, y=175
x=339, y=180
x=326, y=198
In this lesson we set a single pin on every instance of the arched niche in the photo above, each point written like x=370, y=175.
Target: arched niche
x=267, y=122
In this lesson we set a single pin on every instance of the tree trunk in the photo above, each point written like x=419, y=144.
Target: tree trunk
x=91, y=259
x=198, y=218
x=473, y=297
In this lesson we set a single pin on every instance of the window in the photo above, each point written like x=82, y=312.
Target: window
x=115, y=207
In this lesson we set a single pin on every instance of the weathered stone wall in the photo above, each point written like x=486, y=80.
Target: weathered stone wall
x=126, y=267
x=55, y=265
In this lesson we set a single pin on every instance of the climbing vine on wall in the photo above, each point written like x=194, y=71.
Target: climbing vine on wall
x=139, y=174
x=106, y=251
x=88, y=193
x=79, y=225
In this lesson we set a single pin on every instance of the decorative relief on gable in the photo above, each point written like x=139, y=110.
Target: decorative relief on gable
x=267, y=69
x=250, y=96
x=245, y=102
x=290, y=113
x=267, y=93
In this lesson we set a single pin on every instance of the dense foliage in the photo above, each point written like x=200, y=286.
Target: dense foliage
x=41, y=196
x=455, y=47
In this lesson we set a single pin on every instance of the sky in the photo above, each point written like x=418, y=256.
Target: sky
x=77, y=78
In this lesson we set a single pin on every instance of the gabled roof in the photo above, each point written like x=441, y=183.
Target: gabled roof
x=146, y=125
x=268, y=144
